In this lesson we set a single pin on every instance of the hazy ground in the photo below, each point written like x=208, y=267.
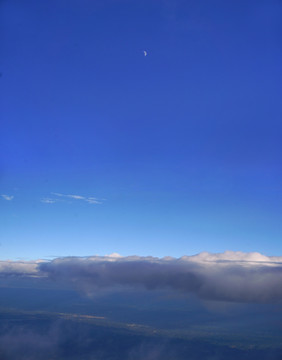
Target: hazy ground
x=62, y=324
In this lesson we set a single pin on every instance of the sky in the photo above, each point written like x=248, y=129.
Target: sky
x=140, y=127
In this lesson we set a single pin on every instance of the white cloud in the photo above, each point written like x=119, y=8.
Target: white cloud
x=92, y=200
x=48, y=201
x=7, y=197
x=235, y=256
x=77, y=197
x=19, y=268
x=89, y=199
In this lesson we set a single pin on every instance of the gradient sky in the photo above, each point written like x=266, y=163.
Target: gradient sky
x=181, y=148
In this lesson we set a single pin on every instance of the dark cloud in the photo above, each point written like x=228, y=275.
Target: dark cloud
x=231, y=276
x=237, y=277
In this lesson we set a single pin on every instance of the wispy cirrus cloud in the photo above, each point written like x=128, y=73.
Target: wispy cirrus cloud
x=48, y=201
x=89, y=199
x=56, y=197
x=7, y=197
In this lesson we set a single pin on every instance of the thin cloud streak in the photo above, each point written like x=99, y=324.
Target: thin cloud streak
x=63, y=197
x=48, y=201
x=7, y=197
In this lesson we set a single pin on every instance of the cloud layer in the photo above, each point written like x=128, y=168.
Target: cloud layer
x=230, y=276
x=9, y=268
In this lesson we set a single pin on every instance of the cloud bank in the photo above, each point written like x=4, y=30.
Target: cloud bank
x=230, y=276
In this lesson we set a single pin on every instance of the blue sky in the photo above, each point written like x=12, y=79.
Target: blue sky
x=181, y=148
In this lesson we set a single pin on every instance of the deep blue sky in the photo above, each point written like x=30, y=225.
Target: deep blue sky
x=182, y=147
